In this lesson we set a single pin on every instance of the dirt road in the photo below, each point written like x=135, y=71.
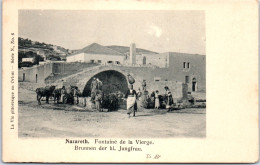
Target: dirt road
x=50, y=120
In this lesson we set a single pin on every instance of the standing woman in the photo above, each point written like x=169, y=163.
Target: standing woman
x=139, y=94
x=169, y=101
x=157, y=103
x=139, y=99
x=76, y=93
x=131, y=100
x=63, y=92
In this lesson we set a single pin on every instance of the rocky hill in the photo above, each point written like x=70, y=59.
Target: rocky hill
x=46, y=51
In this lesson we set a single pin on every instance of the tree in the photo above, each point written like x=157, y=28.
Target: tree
x=21, y=55
x=38, y=58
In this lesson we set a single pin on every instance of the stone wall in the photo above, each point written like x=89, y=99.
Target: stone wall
x=43, y=71
x=139, y=73
x=80, y=74
x=161, y=60
x=30, y=74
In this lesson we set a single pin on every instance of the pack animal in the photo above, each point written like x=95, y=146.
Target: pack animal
x=113, y=102
x=44, y=92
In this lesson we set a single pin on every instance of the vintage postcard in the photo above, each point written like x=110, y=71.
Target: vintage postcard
x=130, y=81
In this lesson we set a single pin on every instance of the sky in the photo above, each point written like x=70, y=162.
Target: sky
x=159, y=31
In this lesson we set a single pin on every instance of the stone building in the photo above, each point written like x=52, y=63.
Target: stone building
x=187, y=68
x=96, y=53
x=32, y=60
x=181, y=72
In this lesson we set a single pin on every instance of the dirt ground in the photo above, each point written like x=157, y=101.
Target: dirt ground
x=50, y=120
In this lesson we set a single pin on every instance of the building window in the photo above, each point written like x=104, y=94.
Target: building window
x=156, y=79
x=184, y=65
x=117, y=62
x=188, y=65
x=110, y=62
x=187, y=79
x=91, y=61
x=99, y=61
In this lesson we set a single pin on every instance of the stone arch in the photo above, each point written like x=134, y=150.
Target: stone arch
x=113, y=81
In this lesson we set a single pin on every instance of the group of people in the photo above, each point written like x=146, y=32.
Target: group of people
x=132, y=96
x=69, y=95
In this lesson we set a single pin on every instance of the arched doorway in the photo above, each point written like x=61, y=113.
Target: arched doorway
x=113, y=81
x=194, y=84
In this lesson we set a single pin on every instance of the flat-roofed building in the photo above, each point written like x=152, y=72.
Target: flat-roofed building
x=32, y=60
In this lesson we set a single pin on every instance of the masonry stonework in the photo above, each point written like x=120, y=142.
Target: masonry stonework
x=170, y=69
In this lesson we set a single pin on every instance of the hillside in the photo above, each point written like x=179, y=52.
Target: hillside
x=47, y=51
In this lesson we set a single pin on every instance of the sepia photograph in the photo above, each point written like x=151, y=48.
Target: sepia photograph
x=154, y=81
x=85, y=73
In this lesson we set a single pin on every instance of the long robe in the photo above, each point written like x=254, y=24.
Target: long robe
x=131, y=100
x=157, y=102
x=169, y=102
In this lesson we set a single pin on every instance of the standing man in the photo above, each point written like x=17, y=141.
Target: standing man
x=131, y=100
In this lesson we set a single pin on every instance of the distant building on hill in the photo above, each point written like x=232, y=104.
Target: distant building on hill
x=32, y=60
